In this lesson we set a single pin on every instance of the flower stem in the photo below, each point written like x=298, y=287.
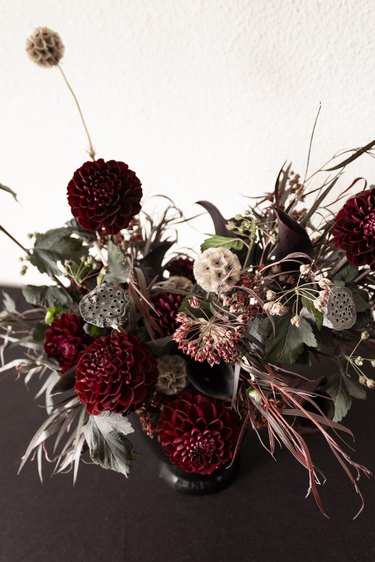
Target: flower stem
x=91, y=147
x=2, y=229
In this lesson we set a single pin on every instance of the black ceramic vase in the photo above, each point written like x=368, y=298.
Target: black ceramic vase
x=188, y=482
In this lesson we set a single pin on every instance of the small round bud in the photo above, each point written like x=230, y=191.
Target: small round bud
x=296, y=321
x=270, y=295
x=362, y=380
x=304, y=269
x=365, y=335
x=324, y=283
x=358, y=361
x=370, y=383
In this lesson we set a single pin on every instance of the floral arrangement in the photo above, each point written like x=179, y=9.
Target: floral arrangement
x=205, y=346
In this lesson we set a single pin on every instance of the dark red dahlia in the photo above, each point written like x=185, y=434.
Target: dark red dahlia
x=104, y=196
x=65, y=340
x=182, y=267
x=117, y=372
x=198, y=433
x=354, y=229
x=166, y=306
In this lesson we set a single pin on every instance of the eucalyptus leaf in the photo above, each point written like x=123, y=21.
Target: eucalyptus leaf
x=8, y=190
x=46, y=296
x=288, y=342
x=216, y=241
x=109, y=447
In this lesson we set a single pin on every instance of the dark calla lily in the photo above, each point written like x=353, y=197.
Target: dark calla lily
x=217, y=218
x=293, y=238
x=215, y=382
x=152, y=262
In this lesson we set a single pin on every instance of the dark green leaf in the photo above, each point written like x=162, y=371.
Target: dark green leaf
x=109, y=447
x=341, y=389
x=39, y=331
x=196, y=312
x=46, y=296
x=8, y=190
x=360, y=298
x=289, y=341
x=347, y=274
x=118, y=269
x=56, y=245
x=217, y=241
x=309, y=305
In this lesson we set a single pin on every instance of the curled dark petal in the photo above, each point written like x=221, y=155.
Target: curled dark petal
x=217, y=218
x=293, y=238
x=216, y=381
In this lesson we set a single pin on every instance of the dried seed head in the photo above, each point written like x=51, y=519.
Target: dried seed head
x=178, y=282
x=172, y=374
x=217, y=269
x=341, y=312
x=105, y=306
x=45, y=47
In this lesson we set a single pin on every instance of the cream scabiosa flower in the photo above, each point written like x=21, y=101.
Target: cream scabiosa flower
x=217, y=269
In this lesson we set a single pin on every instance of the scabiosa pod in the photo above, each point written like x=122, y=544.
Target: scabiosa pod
x=45, y=47
x=217, y=269
x=172, y=374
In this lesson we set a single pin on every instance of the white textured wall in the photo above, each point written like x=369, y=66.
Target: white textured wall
x=202, y=98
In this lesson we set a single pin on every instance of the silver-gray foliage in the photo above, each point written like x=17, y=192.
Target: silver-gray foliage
x=109, y=447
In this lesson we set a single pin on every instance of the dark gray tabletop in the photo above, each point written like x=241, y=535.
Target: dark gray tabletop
x=261, y=517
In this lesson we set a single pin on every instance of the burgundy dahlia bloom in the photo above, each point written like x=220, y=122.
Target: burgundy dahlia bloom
x=198, y=433
x=166, y=306
x=65, y=340
x=104, y=195
x=117, y=373
x=354, y=229
x=181, y=266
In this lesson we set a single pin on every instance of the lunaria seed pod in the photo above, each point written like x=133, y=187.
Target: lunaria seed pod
x=105, y=306
x=341, y=312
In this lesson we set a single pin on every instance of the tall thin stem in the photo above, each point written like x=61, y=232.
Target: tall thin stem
x=91, y=147
x=2, y=229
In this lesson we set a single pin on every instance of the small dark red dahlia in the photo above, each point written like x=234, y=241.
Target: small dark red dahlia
x=198, y=433
x=354, y=229
x=65, y=340
x=104, y=196
x=181, y=267
x=117, y=373
x=166, y=306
